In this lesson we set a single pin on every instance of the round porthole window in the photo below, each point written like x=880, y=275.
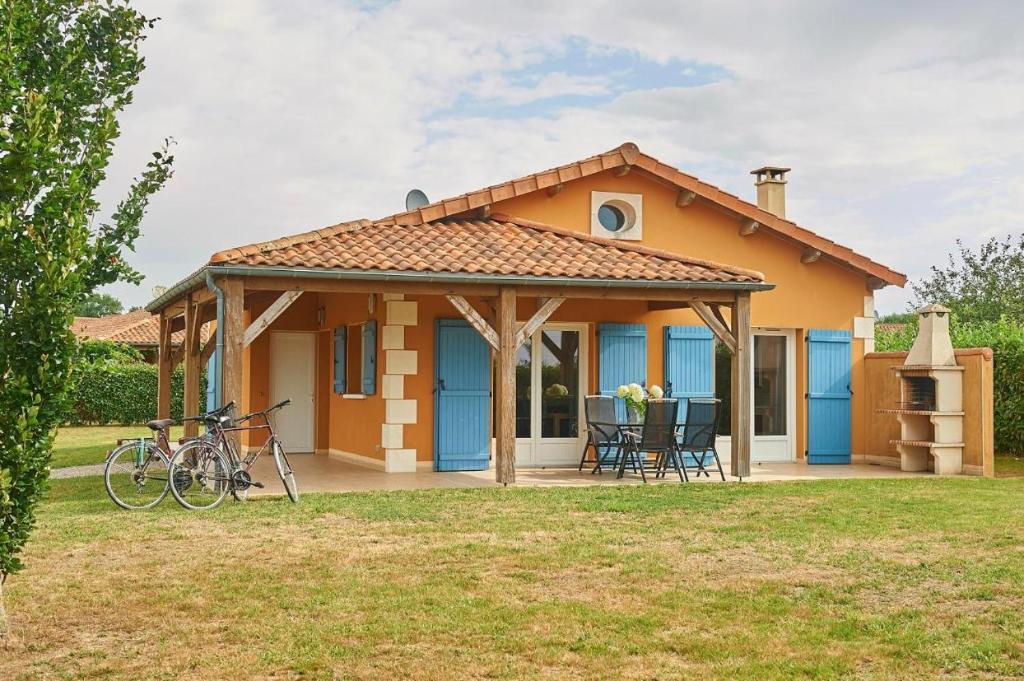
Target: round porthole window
x=616, y=216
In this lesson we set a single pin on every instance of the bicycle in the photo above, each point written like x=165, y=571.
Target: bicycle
x=136, y=473
x=213, y=467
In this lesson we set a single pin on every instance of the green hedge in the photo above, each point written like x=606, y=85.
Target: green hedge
x=122, y=394
x=1006, y=339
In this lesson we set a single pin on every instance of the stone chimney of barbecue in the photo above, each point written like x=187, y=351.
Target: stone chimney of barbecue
x=771, y=189
x=932, y=347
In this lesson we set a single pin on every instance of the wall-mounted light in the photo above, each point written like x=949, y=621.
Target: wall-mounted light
x=321, y=316
x=371, y=304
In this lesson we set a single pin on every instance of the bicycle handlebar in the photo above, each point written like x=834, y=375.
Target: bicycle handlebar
x=264, y=412
x=210, y=414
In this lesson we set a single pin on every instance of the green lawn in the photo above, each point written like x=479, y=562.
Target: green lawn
x=89, y=445
x=885, y=578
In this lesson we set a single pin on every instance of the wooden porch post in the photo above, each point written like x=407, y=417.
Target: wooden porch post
x=742, y=398
x=190, y=402
x=231, y=374
x=163, y=390
x=505, y=393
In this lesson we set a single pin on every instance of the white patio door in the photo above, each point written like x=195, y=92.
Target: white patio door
x=550, y=384
x=292, y=377
x=773, y=384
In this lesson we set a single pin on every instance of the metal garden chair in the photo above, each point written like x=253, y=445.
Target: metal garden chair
x=657, y=436
x=697, y=438
x=602, y=432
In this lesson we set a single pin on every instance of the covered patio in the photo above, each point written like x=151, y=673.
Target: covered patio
x=505, y=277
x=323, y=473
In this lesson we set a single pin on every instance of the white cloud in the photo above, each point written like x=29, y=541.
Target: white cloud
x=904, y=123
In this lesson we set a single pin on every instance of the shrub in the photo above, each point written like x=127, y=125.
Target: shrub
x=107, y=351
x=123, y=394
x=1006, y=339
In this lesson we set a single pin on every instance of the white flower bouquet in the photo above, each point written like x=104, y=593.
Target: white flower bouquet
x=636, y=397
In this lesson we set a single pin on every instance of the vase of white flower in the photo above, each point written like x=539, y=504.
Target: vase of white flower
x=636, y=401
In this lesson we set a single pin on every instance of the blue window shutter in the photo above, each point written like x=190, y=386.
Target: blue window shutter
x=828, y=396
x=339, y=359
x=370, y=357
x=689, y=364
x=622, y=358
x=211, y=383
x=689, y=367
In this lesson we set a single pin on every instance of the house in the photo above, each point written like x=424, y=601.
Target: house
x=391, y=336
x=138, y=328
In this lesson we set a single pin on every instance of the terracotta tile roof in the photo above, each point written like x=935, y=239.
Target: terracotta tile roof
x=134, y=328
x=629, y=154
x=499, y=245
x=890, y=327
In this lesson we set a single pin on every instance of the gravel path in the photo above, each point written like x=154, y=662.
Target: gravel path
x=76, y=471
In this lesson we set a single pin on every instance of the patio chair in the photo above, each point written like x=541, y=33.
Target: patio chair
x=697, y=439
x=657, y=436
x=602, y=432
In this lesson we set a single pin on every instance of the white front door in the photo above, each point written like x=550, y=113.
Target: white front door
x=550, y=384
x=773, y=383
x=292, y=377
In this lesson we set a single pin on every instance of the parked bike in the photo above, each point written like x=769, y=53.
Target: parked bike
x=136, y=473
x=206, y=469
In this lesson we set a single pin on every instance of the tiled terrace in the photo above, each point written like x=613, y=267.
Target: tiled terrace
x=322, y=473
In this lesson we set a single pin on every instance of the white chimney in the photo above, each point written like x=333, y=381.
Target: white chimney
x=932, y=347
x=771, y=189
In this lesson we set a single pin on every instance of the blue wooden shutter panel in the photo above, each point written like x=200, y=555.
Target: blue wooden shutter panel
x=370, y=357
x=689, y=367
x=211, y=383
x=828, y=396
x=339, y=360
x=462, y=400
x=622, y=358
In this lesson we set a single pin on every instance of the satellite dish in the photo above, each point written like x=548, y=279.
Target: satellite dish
x=416, y=199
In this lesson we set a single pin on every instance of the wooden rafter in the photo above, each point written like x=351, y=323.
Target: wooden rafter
x=748, y=226
x=538, y=318
x=211, y=345
x=717, y=327
x=260, y=324
x=475, y=320
x=717, y=311
x=685, y=197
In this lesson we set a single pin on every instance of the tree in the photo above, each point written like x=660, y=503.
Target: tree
x=980, y=286
x=67, y=69
x=98, y=305
x=898, y=318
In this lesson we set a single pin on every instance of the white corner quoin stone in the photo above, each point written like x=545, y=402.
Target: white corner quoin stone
x=392, y=386
x=400, y=461
x=392, y=436
x=401, y=312
x=393, y=338
x=400, y=411
x=400, y=362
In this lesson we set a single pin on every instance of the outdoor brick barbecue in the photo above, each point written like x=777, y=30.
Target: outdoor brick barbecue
x=931, y=399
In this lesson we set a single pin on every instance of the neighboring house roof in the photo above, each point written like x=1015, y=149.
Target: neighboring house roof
x=134, y=328
x=499, y=245
x=629, y=154
x=890, y=327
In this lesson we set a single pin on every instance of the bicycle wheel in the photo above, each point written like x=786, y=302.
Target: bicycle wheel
x=201, y=475
x=284, y=469
x=136, y=479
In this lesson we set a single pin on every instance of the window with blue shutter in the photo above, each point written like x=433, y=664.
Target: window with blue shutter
x=340, y=364
x=369, y=357
x=689, y=367
x=622, y=358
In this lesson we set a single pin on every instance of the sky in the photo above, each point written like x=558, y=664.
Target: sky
x=903, y=121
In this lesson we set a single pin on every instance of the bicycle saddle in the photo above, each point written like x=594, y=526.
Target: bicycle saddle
x=159, y=424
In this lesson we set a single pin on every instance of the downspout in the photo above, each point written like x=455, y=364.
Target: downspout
x=218, y=354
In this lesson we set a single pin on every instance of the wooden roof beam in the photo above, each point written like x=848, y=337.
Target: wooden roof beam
x=749, y=226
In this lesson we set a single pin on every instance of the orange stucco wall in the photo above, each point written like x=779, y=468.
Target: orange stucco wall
x=818, y=295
